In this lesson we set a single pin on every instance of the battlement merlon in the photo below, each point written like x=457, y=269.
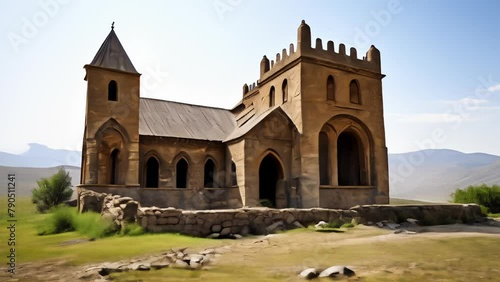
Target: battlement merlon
x=369, y=64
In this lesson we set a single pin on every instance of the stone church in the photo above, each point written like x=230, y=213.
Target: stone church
x=308, y=133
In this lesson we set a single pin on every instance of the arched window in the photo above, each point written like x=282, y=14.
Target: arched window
x=112, y=91
x=152, y=172
x=181, y=171
x=284, y=89
x=354, y=95
x=234, y=180
x=114, y=167
x=209, y=174
x=330, y=89
x=272, y=97
x=324, y=168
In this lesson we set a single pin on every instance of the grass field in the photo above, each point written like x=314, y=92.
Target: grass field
x=375, y=254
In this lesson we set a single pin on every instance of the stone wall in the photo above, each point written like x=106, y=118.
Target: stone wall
x=237, y=221
x=185, y=198
x=243, y=221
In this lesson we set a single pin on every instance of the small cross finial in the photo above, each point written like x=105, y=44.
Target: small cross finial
x=113, y=25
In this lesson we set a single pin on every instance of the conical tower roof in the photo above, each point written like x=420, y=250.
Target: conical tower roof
x=111, y=55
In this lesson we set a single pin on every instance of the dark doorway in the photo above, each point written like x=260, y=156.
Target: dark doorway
x=209, y=174
x=269, y=172
x=152, y=172
x=114, y=167
x=324, y=168
x=181, y=173
x=349, y=165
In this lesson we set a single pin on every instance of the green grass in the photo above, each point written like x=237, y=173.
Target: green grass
x=31, y=247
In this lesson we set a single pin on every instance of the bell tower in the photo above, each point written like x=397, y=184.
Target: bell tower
x=110, y=154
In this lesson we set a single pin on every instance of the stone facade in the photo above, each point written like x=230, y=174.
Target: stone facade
x=310, y=133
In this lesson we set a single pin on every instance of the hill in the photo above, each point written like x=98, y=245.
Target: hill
x=432, y=175
x=39, y=155
x=26, y=177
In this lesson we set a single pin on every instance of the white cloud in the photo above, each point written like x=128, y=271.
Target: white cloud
x=494, y=88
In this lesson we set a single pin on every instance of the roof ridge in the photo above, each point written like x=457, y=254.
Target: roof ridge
x=185, y=103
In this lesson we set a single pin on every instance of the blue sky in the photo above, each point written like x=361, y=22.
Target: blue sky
x=442, y=88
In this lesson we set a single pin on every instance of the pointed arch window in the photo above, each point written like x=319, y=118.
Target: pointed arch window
x=112, y=91
x=330, y=89
x=272, y=97
x=284, y=89
x=354, y=94
x=208, y=181
x=152, y=172
x=181, y=171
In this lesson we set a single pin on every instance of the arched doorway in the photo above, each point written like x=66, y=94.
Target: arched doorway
x=349, y=159
x=152, y=173
x=270, y=171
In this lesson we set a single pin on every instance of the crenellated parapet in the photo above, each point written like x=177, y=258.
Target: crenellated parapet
x=337, y=58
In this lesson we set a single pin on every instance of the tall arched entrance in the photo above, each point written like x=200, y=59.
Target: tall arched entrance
x=350, y=160
x=270, y=171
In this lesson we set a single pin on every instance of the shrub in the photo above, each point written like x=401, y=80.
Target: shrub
x=92, y=225
x=61, y=220
x=52, y=191
x=488, y=197
x=66, y=219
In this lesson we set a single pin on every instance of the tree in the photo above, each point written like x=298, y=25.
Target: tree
x=488, y=197
x=52, y=191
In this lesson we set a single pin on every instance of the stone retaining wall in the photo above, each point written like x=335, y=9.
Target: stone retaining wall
x=243, y=221
x=236, y=221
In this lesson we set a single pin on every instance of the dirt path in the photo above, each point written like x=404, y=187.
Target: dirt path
x=239, y=252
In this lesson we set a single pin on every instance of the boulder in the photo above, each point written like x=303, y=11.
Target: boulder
x=309, y=273
x=91, y=201
x=337, y=271
x=321, y=224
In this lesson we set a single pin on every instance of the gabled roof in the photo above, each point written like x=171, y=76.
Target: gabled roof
x=250, y=124
x=179, y=120
x=112, y=55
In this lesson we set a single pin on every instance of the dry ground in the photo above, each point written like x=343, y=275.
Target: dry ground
x=438, y=253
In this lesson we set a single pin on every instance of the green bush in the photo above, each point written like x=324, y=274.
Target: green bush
x=488, y=197
x=52, y=191
x=92, y=225
x=61, y=219
x=66, y=219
